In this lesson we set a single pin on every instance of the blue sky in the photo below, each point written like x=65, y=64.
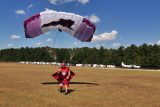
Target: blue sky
x=118, y=22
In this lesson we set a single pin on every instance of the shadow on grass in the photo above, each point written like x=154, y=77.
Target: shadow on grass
x=52, y=83
x=69, y=91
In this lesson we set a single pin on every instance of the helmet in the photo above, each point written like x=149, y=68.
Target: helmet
x=63, y=64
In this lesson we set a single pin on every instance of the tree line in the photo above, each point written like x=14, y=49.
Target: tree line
x=144, y=55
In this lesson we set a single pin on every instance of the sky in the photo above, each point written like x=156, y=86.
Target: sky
x=118, y=22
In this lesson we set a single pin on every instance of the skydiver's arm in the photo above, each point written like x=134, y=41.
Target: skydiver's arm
x=69, y=73
x=59, y=71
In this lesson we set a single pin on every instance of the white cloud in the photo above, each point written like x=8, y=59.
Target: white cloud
x=75, y=43
x=98, y=46
x=151, y=43
x=47, y=33
x=15, y=37
x=9, y=45
x=158, y=42
x=116, y=44
x=38, y=43
x=93, y=18
x=105, y=36
x=83, y=1
x=30, y=6
x=53, y=1
x=66, y=1
x=20, y=11
x=49, y=40
x=46, y=9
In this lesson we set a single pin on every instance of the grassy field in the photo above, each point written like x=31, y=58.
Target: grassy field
x=32, y=86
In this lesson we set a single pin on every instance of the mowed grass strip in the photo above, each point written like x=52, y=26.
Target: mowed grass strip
x=33, y=86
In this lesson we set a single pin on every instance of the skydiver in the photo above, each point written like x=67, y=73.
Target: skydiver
x=63, y=75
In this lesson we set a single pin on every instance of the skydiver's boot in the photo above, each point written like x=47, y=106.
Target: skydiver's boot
x=60, y=90
x=66, y=92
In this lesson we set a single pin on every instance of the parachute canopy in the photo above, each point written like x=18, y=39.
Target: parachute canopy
x=76, y=25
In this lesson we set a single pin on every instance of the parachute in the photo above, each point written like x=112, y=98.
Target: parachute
x=76, y=25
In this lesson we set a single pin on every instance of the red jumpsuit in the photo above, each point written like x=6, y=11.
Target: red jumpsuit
x=64, y=75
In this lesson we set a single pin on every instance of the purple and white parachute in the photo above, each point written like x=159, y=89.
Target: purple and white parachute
x=76, y=25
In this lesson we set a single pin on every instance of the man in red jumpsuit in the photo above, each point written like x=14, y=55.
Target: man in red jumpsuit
x=63, y=75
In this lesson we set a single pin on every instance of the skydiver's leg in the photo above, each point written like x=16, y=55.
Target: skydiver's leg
x=61, y=86
x=66, y=89
x=66, y=86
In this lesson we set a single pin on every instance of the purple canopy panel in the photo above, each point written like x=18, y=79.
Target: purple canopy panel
x=85, y=31
x=33, y=26
x=89, y=23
